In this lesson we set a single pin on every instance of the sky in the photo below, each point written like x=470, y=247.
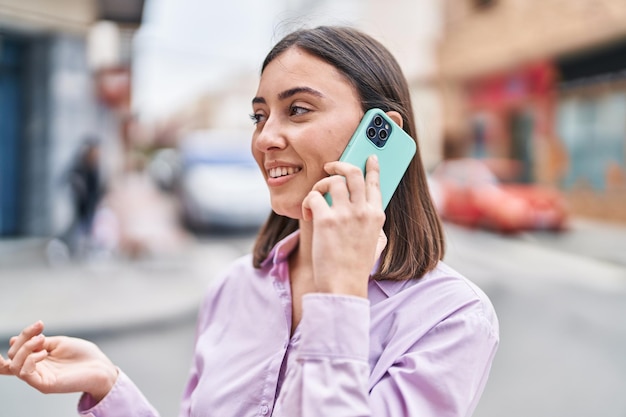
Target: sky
x=187, y=46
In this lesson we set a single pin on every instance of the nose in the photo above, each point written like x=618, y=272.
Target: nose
x=269, y=136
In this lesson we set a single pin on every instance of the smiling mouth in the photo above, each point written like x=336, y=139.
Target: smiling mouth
x=283, y=171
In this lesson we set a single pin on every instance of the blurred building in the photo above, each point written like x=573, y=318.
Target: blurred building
x=542, y=82
x=63, y=76
x=197, y=63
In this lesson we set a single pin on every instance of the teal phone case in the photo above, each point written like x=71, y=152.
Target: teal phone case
x=395, y=152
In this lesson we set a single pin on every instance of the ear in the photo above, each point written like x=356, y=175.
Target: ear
x=395, y=116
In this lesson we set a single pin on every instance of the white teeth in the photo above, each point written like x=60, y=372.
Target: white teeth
x=282, y=171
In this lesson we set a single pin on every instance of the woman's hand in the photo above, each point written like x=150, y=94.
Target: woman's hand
x=59, y=364
x=347, y=236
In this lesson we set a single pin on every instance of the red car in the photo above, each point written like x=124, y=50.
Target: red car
x=467, y=192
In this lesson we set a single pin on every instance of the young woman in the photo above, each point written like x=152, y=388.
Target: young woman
x=342, y=310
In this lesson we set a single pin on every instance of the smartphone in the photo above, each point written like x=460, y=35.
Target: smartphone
x=378, y=134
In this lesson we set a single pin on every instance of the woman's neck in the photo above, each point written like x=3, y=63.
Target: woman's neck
x=301, y=273
x=302, y=254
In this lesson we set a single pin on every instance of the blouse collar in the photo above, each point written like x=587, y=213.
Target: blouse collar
x=281, y=251
x=287, y=245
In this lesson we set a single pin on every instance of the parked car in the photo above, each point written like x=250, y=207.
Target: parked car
x=467, y=192
x=220, y=184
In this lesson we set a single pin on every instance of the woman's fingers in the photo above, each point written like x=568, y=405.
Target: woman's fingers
x=352, y=178
x=10, y=366
x=34, y=345
x=334, y=185
x=359, y=190
x=4, y=366
x=372, y=181
x=28, y=333
x=28, y=372
x=314, y=202
x=345, y=185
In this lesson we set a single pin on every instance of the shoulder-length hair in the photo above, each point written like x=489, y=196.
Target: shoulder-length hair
x=413, y=228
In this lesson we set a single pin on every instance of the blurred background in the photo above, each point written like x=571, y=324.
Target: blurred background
x=126, y=181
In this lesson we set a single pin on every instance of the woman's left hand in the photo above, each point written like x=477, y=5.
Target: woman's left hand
x=347, y=236
x=59, y=364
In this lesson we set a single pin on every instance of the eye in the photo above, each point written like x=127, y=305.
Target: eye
x=297, y=110
x=257, y=118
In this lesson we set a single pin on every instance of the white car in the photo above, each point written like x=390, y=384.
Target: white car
x=221, y=185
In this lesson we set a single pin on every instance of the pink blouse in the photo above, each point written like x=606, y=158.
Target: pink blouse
x=420, y=347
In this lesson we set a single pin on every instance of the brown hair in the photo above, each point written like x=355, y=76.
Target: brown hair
x=414, y=231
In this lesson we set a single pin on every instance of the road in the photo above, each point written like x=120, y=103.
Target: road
x=562, y=323
x=563, y=336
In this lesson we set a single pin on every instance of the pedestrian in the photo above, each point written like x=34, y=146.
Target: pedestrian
x=342, y=310
x=86, y=187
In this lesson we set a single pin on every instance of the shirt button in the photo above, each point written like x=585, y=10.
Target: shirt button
x=265, y=409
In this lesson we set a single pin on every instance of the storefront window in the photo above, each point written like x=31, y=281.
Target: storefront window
x=593, y=130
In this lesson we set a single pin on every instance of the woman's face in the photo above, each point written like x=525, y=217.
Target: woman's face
x=305, y=111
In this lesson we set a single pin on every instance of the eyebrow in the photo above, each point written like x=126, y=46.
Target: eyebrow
x=289, y=93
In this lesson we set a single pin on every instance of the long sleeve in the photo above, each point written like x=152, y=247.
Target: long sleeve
x=442, y=373
x=124, y=400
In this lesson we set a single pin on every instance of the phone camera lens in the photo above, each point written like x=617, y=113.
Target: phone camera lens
x=371, y=133
x=378, y=121
x=383, y=134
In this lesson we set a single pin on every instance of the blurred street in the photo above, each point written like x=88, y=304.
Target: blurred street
x=125, y=169
x=561, y=308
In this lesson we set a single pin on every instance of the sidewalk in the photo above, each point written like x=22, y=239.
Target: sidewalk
x=100, y=297
x=164, y=283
